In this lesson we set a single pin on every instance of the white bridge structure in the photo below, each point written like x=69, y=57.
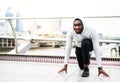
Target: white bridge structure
x=30, y=40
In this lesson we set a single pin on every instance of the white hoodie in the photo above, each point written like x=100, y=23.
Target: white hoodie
x=87, y=33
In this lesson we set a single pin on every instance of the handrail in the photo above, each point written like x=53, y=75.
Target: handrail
x=6, y=18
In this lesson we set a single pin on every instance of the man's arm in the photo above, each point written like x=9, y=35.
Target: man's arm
x=68, y=47
x=96, y=47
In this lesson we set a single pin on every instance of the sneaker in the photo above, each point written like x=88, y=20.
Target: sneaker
x=85, y=72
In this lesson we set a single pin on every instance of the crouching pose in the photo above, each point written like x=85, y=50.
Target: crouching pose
x=86, y=40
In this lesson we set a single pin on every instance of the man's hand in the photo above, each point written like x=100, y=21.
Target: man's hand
x=63, y=69
x=101, y=71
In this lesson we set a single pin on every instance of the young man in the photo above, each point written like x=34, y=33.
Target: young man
x=86, y=40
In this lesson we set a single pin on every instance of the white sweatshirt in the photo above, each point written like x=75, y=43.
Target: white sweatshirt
x=87, y=33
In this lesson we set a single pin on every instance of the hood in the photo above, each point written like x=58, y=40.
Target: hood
x=84, y=24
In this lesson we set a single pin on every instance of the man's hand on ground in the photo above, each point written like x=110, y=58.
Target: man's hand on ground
x=63, y=69
x=101, y=71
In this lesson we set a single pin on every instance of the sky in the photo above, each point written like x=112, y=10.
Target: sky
x=67, y=8
x=63, y=8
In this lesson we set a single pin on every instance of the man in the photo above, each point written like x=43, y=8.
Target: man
x=86, y=40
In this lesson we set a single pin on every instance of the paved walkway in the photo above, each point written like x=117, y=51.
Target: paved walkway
x=61, y=52
x=13, y=71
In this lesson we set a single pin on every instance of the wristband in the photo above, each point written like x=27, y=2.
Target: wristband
x=100, y=68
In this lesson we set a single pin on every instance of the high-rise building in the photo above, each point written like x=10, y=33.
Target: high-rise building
x=7, y=25
x=9, y=13
x=18, y=27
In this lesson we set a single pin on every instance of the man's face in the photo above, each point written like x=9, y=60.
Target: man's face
x=78, y=26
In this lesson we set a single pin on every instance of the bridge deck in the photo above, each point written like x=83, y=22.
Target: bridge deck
x=16, y=68
x=14, y=71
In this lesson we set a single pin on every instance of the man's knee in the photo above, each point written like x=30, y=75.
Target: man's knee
x=86, y=42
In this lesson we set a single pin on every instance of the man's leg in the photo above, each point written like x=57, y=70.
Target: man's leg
x=79, y=58
x=86, y=47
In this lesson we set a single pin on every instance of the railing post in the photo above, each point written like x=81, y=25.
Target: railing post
x=16, y=45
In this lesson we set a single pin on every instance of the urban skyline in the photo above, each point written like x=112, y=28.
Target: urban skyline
x=75, y=8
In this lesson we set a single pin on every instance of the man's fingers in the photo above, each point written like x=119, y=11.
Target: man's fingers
x=98, y=74
x=60, y=71
x=104, y=73
x=65, y=71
